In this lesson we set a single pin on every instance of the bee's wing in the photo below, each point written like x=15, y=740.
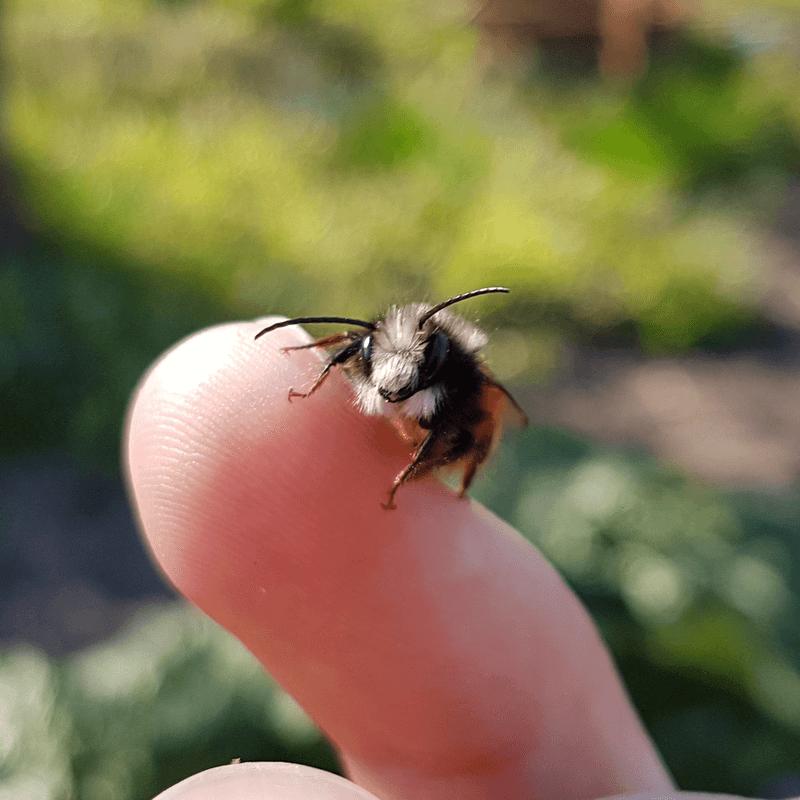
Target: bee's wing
x=504, y=408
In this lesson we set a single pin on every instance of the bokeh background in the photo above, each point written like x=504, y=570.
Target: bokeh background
x=167, y=164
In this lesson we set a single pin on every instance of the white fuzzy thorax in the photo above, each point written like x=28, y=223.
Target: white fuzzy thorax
x=419, y=406
x=369, y=401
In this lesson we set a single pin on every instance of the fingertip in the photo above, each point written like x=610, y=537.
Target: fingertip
x=267, y=513
x=223, y=465
x=265, y=781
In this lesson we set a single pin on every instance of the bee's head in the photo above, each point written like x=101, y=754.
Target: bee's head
x=400, y=358
x=403, y=353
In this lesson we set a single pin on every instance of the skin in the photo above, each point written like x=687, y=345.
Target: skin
x=438, y=650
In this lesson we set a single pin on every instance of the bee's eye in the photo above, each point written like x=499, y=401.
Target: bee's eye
x=366, y=348
x=435, y=354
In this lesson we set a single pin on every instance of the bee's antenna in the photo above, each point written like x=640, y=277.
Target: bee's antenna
x=458, y=298
x=302, y=320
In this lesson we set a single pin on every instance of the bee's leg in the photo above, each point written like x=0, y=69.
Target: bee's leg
x=420, y=464
x=317, y=383
x=343, y=355
x=478, y=455
x=325, y=341
x=472, y=450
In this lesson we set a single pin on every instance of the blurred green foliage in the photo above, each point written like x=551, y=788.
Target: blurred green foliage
x=700, y=116
x=696, y=593
x=76, y=338
x=190, y=161
x=353, y=145
x=170, y=695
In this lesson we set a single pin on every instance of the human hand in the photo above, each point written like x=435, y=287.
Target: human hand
x=622, y=26
x=439, y=651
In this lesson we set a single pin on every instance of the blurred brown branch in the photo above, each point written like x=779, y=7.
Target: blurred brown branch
x=621, y=26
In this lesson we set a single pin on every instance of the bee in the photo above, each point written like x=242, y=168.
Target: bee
x=419, y=365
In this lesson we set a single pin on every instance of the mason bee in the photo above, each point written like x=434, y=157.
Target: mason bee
x=419, y=365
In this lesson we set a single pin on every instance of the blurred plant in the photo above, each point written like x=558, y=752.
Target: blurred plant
x=345, y=147
x=170, y=695
x=693, y=590
x=76, y=338
x=701, y=119
x=202, y=160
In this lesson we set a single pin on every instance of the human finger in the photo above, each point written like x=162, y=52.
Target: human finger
x=265, y=781
x=438, y=650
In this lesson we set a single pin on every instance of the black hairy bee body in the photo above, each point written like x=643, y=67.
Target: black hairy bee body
x=420, y=366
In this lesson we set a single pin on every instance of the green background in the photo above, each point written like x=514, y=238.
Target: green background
x=179, y=163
